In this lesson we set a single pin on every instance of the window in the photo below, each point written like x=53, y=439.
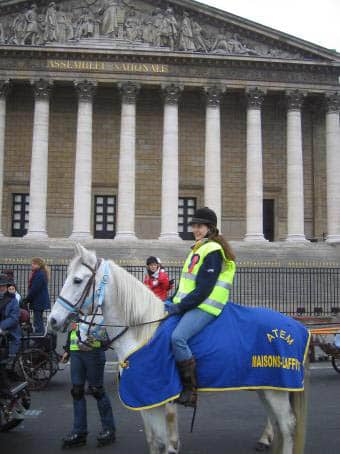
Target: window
x=268, y=219
x=186, y=210
x=20, y=211
x=104, y=216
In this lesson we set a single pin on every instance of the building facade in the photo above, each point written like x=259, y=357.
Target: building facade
x=118, y=118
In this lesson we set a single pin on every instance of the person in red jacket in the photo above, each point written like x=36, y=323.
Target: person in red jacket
x=156, y=278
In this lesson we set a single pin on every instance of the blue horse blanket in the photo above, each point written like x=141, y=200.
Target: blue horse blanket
x=244, y=348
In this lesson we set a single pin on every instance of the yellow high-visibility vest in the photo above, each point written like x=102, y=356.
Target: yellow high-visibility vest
x=219, y=296
x=74, y=339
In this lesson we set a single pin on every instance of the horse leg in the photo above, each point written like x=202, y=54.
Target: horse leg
x=172, y=426
x=298, y=402
x=156, y=430
x=266, y=439
x=282, y=415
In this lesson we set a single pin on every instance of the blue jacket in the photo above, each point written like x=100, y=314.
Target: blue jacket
x=9, y=318
x=205, y=283
x=38, y=296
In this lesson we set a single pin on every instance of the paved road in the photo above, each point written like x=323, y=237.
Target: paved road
x=227, y=422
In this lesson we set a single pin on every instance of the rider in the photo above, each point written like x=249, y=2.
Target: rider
x=156, y=278
x=203, y=292
x=87, y=364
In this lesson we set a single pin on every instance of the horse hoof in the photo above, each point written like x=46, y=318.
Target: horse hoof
x=261, y=447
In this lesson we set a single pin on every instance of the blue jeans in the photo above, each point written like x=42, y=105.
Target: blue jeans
x=89, y=366
x=38, y=322
x=191, y=323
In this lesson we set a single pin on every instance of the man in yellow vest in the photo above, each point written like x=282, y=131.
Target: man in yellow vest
x=87, y=356
x=203, y=292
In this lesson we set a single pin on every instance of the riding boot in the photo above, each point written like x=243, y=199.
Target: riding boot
x=74, y=440
x=188, y=396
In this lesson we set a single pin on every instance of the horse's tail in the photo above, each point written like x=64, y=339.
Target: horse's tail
x=298, y=402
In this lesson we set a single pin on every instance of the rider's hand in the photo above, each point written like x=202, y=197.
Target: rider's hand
x=171, y=308
x=65, y=358
x=1, y=332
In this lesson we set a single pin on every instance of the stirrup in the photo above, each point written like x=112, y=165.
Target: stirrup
x=188, y=398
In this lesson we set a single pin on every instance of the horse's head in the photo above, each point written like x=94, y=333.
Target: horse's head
x=77, y=290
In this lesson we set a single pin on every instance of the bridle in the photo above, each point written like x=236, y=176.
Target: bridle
x=82, y=301
x=76, y=308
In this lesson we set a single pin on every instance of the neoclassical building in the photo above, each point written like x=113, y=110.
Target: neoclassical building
x=118, y=118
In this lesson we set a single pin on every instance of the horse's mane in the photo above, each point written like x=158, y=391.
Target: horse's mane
x=138, y=304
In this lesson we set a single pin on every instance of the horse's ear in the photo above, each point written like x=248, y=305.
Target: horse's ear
x=88, y=257
x=77, y=249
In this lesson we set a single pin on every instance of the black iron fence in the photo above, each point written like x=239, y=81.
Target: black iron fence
x=304, y=291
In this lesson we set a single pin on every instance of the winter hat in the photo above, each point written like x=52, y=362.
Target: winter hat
x=151, y=259
x=204, y=216
x=4, y=280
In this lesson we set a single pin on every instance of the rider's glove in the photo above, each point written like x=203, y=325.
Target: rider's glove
x=1, y=332
x=171, y=308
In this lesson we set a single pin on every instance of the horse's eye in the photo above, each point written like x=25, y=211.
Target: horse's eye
x=77, y=280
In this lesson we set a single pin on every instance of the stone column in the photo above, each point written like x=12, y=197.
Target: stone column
x=4, y=87
x=254, y=166
x=212, y=169
x=295, y=194
x=170, y=177
x=39, y=161
x=127, y=163
x=333, y=167
x=83, y=165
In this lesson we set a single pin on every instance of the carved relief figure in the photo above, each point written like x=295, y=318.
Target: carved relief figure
x=17, y=30
x=168, y=30
x=132, y=26
x=220, y=44
x=186, y=40
x=110, y=18
x=198, y=38
x=32, y=31
x=147, y=29
x=64, y=26
x=237, y=47
x=85, y=25
x=2, y=33
x=157, y=20
x=51, y=23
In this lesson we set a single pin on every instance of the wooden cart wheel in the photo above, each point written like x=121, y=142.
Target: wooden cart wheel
x=336, y=363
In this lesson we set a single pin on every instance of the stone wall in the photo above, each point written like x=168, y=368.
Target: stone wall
x=149, y=125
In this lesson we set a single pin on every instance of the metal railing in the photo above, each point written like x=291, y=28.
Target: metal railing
x=305, y=291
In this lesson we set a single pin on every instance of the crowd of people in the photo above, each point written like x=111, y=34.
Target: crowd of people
x=201, y=295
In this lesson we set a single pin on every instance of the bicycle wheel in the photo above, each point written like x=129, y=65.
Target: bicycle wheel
x=34, y=366
x=336, y=363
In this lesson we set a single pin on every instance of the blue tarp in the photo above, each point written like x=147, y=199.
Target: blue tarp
x=244, y=348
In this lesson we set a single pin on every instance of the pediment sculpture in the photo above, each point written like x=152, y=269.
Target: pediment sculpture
x=126, y=24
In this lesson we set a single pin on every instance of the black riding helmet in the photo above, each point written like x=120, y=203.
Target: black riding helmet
x=204, y=216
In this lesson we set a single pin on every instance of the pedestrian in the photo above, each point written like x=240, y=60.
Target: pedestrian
x=12, y=288
x=9, y=317
x=203, y=292
x=37, y=296
x=156, y=278
x=87, y=357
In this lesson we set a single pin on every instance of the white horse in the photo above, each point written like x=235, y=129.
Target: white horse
x=126, y=302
